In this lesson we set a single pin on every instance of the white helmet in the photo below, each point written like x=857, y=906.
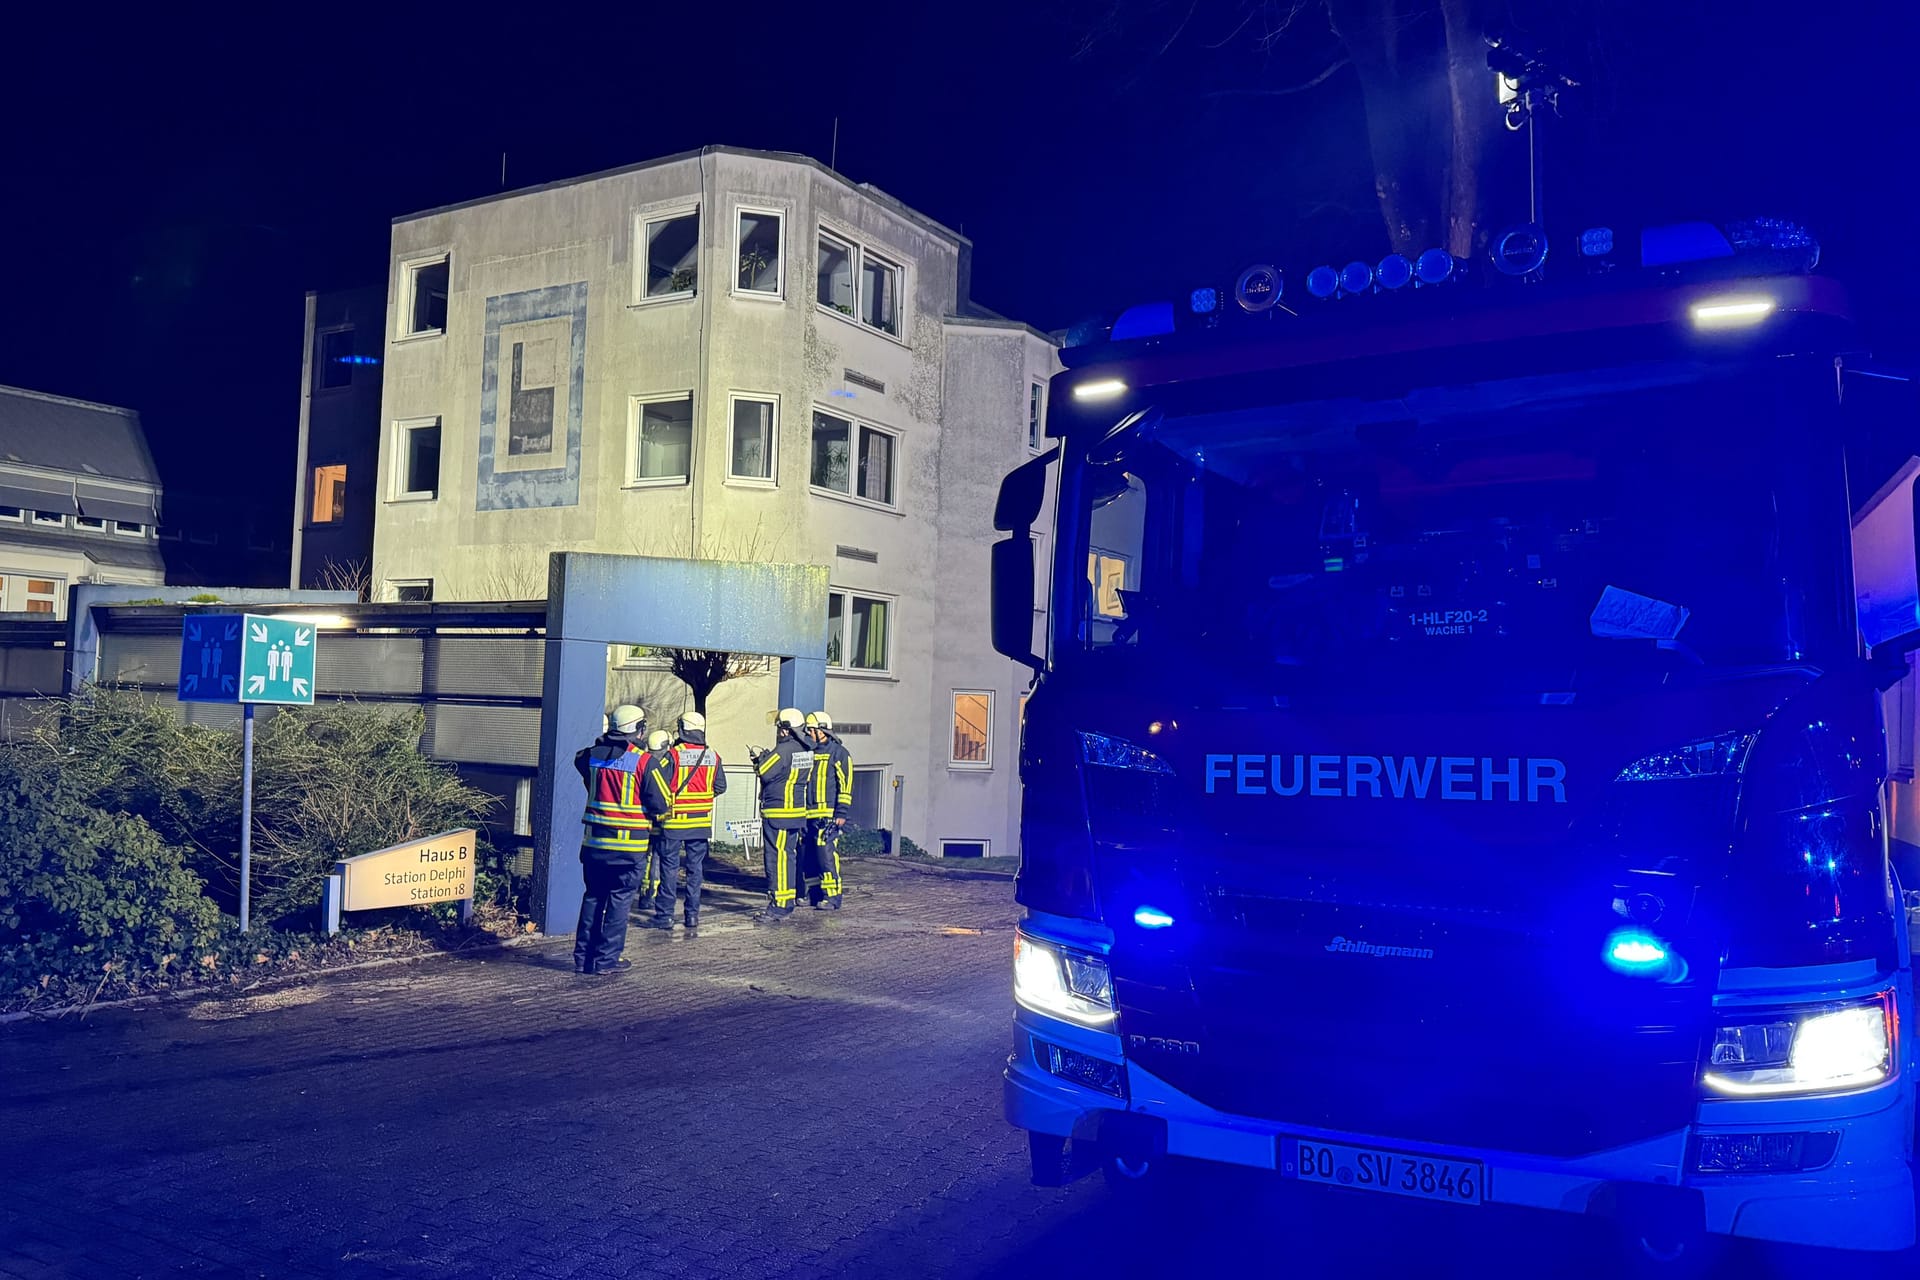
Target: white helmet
x=791, y=718
x=694, y=722
x=626, y=718
x=659, y=740
x=819, y=720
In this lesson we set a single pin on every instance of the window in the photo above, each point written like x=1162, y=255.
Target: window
x=330, y=493
x=168, y=533
x=661, y=449
x=867, y=475
x=129, y=529
x=834, y=275
x=52, y=518
x=868, y=786
x=972, y=729
x=336, y=359
x=412, y=590
x=90, y=522
x=670, y=254
x=417, y=459
x=14, y=514
x=1108, y=574
x=858, y=283
x=963, y=848
x=1036, y=414
x=857, y=632
x=21, y=594
x=751, y=442
x=424, y=296
x=759, y=263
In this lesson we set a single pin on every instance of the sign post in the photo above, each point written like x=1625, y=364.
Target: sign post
x=247, y=659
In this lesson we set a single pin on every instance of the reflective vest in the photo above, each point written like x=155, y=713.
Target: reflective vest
x=615, y=819
x=786, y=782
x=687, y=773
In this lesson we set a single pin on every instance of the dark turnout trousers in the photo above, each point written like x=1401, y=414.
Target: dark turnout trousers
x=780, y=842
x=602, y=933
x=676, y=851
x=822, y=861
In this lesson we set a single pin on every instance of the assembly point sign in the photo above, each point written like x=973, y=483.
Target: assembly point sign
x=418, y=873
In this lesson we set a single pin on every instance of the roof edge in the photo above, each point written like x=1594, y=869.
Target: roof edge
x=50, y=398
x=788, y=157
x=1002, y=322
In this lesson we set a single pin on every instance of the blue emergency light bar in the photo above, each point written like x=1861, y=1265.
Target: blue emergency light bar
x=1699, y=250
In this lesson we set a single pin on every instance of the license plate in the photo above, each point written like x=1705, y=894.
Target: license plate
x=1395, y=1172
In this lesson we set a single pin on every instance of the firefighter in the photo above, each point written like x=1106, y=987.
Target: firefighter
x=832, y=802
x=786, y=793
x=613, y=851
x=682, y=782
x=657, y=741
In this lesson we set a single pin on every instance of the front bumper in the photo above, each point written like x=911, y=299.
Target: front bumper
x=1863, y=1199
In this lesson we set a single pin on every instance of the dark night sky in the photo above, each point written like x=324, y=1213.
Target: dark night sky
x=170, y=188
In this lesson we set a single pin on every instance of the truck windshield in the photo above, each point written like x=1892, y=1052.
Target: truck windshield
x=1535, y=535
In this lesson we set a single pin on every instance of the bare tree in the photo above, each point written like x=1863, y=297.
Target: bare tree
x=1420, y=67
x=348, y=575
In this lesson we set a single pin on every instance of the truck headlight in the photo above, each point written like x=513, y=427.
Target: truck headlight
x=1060, y=982
x=1823, y=1049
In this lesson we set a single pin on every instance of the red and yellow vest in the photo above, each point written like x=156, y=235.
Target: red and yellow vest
x=688, y=773
x=615, y=819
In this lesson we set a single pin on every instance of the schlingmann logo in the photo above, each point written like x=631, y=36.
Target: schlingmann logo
x=1375, y=949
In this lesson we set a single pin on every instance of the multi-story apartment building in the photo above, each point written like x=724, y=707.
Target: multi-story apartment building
x=736, y=355
x=79, y=499
x=333, y=496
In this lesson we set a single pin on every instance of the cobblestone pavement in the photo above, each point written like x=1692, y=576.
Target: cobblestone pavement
x=817, y=1101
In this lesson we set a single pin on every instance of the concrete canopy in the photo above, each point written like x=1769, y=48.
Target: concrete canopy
x=779, y=610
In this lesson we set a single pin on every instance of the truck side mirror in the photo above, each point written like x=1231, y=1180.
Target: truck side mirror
x=1013, y=584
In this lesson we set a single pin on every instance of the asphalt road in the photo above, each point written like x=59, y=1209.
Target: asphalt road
x=818, y=1101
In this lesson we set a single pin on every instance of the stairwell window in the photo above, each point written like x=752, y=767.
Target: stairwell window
x=857, y=632
x=972, y=743
x=853, y=459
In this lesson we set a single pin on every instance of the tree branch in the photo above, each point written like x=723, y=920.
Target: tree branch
x=1302, y=87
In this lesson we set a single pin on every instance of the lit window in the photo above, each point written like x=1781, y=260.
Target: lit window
x=759, y=263
x=857, y=632
x=1036, y=414
x=52, y=519
x=661, y=447
x=858, y=283
x=412, y=590
x=972, y=742
x=867, y=474
x=671, y=255
x=750, y=449
x=417, y=459
x=336, y=359
x=42, y=595
x=330, y=493
x=424, y=296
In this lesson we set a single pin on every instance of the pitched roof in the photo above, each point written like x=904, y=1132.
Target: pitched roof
x=74, y=436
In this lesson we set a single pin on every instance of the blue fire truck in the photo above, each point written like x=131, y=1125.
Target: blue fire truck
x=1457, y=763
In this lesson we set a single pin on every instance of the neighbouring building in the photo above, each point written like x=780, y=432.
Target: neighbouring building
x=79, y=500
x=334, y=490
x=726, y=354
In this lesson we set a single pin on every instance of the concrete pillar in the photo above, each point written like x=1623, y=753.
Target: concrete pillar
x=573, y=715
x=803, y=683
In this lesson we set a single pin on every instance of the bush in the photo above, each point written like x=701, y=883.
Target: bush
x=90, y=897
x=329, y=782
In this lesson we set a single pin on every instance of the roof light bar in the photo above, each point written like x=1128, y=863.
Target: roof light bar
x=1099, y=389
x=1730, y=313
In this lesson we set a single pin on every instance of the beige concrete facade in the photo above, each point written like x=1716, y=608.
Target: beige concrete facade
x=587, y=395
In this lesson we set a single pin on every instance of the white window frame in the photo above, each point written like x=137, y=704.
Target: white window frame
x=50, y=519
x=96, y=523
x=857, y=250
x=634, y=480
x=138, y=530
x=641, y=245
x=853, y=463
x=410, y=269
x=969, y=766
x=17, y=581
x=772, y=478
x=19, y=516
x=394, y=585
x=842, y=668
x=986, y=845
x=1036, y=415
x=403, y=429
x=779, y=293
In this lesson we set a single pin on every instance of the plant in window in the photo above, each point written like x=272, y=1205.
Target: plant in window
x=753, y=260
x=681, y=281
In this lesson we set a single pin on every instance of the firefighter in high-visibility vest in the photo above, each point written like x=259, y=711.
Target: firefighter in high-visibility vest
x=786, y=793
x=618, y=836
x=682, y=782
x=832, y=802
x=657, y=741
